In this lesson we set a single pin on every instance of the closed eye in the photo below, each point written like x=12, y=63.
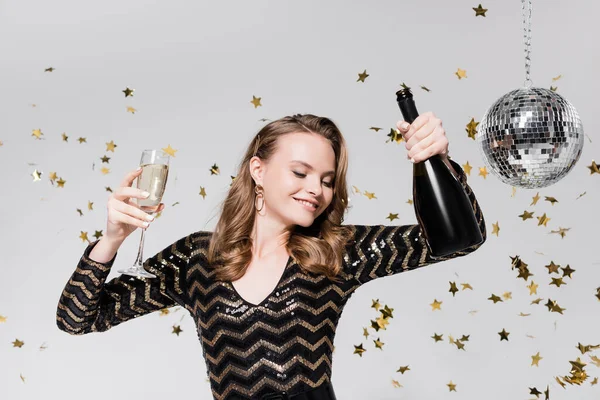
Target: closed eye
x=298, y=174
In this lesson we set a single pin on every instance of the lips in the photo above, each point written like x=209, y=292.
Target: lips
x=303, y=203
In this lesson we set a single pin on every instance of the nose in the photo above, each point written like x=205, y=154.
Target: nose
x=315, y=189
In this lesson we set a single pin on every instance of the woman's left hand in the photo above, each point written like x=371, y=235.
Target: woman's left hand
x=424, y=138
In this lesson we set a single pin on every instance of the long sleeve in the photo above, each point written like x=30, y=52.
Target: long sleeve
x=383, y=250
x=90, y=304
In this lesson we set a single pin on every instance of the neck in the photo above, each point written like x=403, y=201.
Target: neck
x=268, y=237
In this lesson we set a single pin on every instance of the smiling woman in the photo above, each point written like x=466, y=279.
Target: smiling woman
x=268, y=287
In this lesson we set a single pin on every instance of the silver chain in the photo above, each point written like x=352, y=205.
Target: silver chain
x=527, y=38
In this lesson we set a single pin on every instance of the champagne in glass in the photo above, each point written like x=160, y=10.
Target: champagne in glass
x=152, y=179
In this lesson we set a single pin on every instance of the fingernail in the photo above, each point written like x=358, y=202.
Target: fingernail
x=404, y=125
x=412, y=160
x=139, y=168
x=145, y=194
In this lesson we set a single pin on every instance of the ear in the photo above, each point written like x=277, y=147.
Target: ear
x=256, y=167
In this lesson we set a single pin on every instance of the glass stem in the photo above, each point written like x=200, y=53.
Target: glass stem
x=140, y=256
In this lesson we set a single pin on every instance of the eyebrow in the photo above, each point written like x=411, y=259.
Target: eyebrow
x=307, y=165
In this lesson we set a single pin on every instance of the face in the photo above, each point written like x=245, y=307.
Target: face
x=302, y=168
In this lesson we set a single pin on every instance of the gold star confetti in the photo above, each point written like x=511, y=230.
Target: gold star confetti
x=128, y=92
x=2, y=319
x=552, y=268
x=256, y=101
x=461, y=73
x=402, y=370
x=594, y=168
x=177, y=329
x=362, y=76
x=375, y=304
x=359, y=349
x=535, y=359
x=554, y=307
x=466, y=286
x=480, y=11
x=436, y=305
x=49, y=69
x=83, y=236
x=532, y=288
x=131, y=109
x=374, y=128
x=483, y=172
x=37, y=133
x=387, y=312
x=503, y=335
x=467, y=168
x=551, y=199
x=526, y=215
x=202, y=192
x=394, y=136
x=392, y=217
x=495, y=298
x=543, y=220
x=453, y=289
x=561, y=231
x=396, y=384
x=18, y=343
x=451, y=386
x=437, y=337
x=567, y=271
x=111, y=146
x=37, y=175
x=370, y=195
x=495, y=228
x=214, y=170
x=169, y=150
x=378, y=344
x=557, y=282
x=535, y=199
x=472, y=128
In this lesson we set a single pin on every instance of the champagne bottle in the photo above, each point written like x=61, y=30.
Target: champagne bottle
x=442, y=206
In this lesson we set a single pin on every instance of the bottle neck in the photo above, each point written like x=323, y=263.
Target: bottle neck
x=408, y=109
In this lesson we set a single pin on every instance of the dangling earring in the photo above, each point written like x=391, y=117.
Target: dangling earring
x=258, y=189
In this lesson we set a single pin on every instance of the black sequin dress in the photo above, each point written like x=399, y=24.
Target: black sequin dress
x=283, y=343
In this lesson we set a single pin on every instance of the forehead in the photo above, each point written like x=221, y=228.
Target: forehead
x=308, y=147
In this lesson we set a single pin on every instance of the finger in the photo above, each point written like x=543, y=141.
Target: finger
x=129, y=178
x=427, y=152
x=421, y=145
x=141, y=223
x=421, y=134
x=402, y=128
x=133, y=211
x=124, y=193
x=419, y=122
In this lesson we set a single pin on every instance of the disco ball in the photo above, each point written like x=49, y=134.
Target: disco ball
x=530, y=137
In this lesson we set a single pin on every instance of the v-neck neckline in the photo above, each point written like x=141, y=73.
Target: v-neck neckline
x=239, y=296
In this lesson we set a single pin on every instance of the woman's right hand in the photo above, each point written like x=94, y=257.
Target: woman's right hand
x=124, y=215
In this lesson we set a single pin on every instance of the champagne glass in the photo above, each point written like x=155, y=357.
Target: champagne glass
x=152, y=179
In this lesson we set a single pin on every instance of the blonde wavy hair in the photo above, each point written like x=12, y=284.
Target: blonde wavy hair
x=319, y=248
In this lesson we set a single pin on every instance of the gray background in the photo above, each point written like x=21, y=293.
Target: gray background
x=194, y=66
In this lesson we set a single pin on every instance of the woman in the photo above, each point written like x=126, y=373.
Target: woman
x=267, y=287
